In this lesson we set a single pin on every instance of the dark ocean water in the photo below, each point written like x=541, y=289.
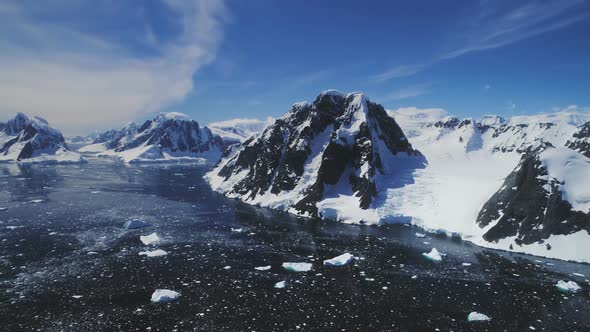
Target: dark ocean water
x=66, y=264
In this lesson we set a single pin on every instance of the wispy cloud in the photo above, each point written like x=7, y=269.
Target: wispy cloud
x=80, y=80
x=491, y=27
x=408, y=92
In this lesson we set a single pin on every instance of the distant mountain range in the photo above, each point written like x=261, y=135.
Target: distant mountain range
x=170, y=137
x=28, y=140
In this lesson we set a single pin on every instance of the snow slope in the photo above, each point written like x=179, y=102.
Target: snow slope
x=239, y=130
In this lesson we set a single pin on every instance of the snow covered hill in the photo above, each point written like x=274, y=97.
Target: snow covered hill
x=239, y=130
x=170, y=137
x=332, y=158
x=28, y=140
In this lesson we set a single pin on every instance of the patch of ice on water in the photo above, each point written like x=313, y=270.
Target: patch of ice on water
x=477, y=317
x=569, y=286
x=297, y=267
x=281, y=284
x=151, y=239
x=135, y=224
x=262, y=268
x=164, y=295
x=339, y=260
x=420, y=235
x=37, y=201
x=433, y=255
x=153, y=253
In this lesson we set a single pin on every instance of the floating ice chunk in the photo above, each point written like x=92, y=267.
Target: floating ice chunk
x=570, y=286
x=433, y=255
x=281, y=284
x=466, y=264
x=420, y=235
x=339, y=260
x=227, y=267
x=297, y=267
x=135, y=224
x=262, y=268
x=477, y=317
x=237, y=230
x=164, y=295
x=3, y=209
x=150, y=239
x=153, y=253
x=37, y=201
x=578, y=274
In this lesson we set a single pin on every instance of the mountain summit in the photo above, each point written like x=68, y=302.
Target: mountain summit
x=327, y=159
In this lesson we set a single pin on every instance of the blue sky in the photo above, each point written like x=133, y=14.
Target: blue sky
x=96, y=64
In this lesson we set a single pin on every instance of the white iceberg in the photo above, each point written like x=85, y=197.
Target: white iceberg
x=339, y=260
x=570, y=286
x=433, y=255
x=164, y=295
x=135, y=224
x=153, y=253
x=281, y=284
x=150, y=239
x=297, y=267
x=262, y=268
x=477, y=317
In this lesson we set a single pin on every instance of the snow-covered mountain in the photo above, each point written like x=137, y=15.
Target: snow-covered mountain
x=330, y=158
x=33, y=141
x=340, y=158
x=170, y=137
x=239, y=130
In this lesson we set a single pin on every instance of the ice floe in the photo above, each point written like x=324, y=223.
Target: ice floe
x=297, y=267
x=150, y=239
x=281, y=284
x=477, y=317
x=135, y=224
x=153, y=253
x=164, y=295
x=262, y=268
x=339, y=260
x=433, y=255
x=568, y=286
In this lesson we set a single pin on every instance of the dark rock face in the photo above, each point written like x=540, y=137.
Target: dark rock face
x=530, y=205
x=343, y=133
x=29, y=136
x=581, y=140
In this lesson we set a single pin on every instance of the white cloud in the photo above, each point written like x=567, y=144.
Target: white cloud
x=491, y=27
x=408, y=92
x=80, y=81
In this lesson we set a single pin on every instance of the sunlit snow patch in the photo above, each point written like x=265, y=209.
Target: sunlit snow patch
x=135, y=224
x=281, y=284
x=164, y=295
x=150, y=239
x=339, y=260
x=567, y=287
x=477, y=317
x=154, y=253
x=433, y=255
x=297, y=267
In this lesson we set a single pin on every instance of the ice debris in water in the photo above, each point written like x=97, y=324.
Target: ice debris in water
x=150, y=239
x=570, y=286
x=164, y=295
x=420, y=235
x=339, y=260
x=262, y=268
x=3, y=209
x=135, y=224
x=37, y=201
x=477, y=317
x=153, y=253
x=281, y=284
x=433, y=255
x=297, y=267
x=237, y=230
